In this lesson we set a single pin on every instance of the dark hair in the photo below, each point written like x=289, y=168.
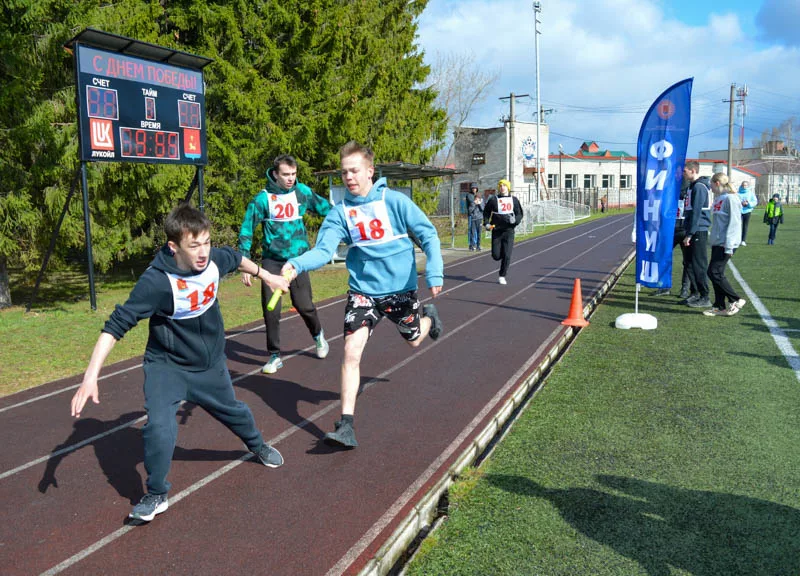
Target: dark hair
x=692, y=165
x=185, y=218
x=354, y=147
x=284, y=159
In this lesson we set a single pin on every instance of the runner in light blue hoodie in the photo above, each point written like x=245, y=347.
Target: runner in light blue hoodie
x=376, y=222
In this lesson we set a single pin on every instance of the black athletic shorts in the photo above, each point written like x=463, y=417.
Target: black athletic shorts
x=402, y=309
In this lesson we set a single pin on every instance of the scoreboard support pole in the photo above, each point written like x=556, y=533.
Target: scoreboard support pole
x=88, y=228
x=200, y=203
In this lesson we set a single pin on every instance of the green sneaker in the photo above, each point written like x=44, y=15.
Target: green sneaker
x=322, y=345
x=344, y=435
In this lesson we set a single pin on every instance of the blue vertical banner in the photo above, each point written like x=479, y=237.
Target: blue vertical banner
x=661, y=154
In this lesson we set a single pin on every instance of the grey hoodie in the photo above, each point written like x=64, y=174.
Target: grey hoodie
x=727, y=228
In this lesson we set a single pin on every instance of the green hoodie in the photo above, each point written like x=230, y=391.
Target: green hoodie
x=283, y=238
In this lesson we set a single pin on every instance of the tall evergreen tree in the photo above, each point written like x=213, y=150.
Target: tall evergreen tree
x=293, y=76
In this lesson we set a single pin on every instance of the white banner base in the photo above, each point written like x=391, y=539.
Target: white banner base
x=643, y=321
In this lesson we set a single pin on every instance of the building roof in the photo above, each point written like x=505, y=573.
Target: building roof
x=749, y=168
x=403, y=171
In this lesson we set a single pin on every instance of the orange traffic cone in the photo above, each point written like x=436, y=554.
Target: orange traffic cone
x=575, y=317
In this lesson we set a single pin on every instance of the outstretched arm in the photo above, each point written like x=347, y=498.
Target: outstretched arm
x=247, y=267
x=88, y=388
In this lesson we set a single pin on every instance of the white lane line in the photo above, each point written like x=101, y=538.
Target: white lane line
x=82, y=443
x=778, y=333
x=259, y=327
x=72, y=560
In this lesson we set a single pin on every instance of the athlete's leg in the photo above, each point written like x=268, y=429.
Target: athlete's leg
x=164, y=389
x=213, y=391
x=354, y=345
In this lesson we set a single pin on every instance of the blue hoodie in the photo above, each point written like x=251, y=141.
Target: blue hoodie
x=378, y=268
x=746, y=195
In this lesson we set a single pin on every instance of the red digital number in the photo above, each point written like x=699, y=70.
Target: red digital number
x=141, y=143
x=109, y=104
x=127, y=144
x=160, y=147
x=93, y=95
x=172, y=145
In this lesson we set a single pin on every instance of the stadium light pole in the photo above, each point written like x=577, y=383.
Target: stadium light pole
x=537, y=8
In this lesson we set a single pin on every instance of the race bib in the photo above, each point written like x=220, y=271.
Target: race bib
x=505, y=205
x=193, y=295
x=370, y=224
x=283, y=207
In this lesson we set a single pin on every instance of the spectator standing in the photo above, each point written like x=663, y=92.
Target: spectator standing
x=697, y=222
x=749, y=202
x=773, y=216
x=726, y=236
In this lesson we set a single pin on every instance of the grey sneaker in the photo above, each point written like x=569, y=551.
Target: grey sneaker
x=661, y=292
x=692, y=298
x=430, y=311
x=322, y=345
x=343, y=436
x=699, y=303
x=269, y=456
x=274, y=364
x=149, y=506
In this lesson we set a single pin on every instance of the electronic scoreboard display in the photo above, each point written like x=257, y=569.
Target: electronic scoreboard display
x=138, y=110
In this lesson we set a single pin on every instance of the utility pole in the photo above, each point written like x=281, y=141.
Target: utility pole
x=511, y=119
x=742, y=94
x=730, y=129
x=537, y=9
x=730, y=132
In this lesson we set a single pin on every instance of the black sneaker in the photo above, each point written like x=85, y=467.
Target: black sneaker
x=429, y=310
x=269, y=456
x=661, y=292
x=684, y=294
x=700, y=303
x=149, y=506
x=343, y=436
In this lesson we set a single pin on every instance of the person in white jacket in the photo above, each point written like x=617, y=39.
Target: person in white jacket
x=726, y=237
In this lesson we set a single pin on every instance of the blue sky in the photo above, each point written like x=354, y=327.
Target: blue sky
x=602, y=62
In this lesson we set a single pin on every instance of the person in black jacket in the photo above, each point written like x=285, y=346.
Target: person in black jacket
x=185, y=354
x=697, y=222
x=501, y=215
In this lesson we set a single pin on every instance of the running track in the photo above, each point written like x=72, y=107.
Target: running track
x=67, y=485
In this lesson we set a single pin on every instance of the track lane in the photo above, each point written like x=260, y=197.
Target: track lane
x=307, y=386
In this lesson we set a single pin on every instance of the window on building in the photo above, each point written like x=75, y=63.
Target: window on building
x=552, y=181
x=478, y=158
x=608, y=181
x=589, y=180
x=625, y=181
x=570, y=180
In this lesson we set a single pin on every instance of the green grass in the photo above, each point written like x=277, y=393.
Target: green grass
x=665, y=452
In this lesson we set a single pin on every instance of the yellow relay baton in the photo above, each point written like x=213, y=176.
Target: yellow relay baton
x=276, y=295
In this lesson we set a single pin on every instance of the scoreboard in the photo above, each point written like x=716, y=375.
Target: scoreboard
x=138, y=110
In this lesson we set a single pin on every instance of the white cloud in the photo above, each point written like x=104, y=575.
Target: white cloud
x=616, y=55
